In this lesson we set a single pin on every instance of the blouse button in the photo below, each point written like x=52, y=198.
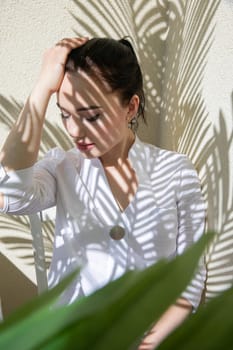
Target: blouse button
x=117, y=232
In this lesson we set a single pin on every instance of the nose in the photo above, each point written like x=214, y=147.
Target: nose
x=75, y=127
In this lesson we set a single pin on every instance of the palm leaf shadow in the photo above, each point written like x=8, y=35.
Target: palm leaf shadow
x=15, y=230
x=192, y=133
x=215, y=162
x=146, y=26
x=14, y=237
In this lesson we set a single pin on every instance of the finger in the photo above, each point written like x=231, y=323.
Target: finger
x=72, y=42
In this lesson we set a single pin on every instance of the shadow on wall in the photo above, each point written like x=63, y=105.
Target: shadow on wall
x=173, y=74
x=215, y=162
x=11, y=290
x=189, y=39
x=190, y=131
x=145, y=22
x=14, y=230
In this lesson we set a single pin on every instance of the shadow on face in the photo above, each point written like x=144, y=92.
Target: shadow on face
x=92, y=113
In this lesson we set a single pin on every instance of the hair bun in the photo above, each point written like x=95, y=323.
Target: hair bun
x=127, y=43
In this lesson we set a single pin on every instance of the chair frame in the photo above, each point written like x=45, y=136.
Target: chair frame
x=39, y=251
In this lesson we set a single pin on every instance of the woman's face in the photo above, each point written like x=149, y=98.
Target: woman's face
x=93, y=116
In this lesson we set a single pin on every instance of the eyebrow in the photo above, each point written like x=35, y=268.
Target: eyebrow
x=87, y=108
x=82, y=109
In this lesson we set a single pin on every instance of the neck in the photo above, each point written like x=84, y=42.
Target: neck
x=119, y=153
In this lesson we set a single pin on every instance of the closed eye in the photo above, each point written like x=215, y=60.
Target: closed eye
x=93, y=118
x=64, y=115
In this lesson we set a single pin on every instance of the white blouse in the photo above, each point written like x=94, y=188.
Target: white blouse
x=166, y=215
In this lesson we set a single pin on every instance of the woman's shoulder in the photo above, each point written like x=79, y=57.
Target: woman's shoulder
x=160, y=155
x=167, y=164
x=162, y=162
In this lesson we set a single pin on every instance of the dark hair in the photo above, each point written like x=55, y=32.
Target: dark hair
x=117, y=64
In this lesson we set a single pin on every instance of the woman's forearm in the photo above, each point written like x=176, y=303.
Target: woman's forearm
x=22, y=144
x=170, y=320
x=21, y=147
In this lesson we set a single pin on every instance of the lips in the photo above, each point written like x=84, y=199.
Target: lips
x=84, y=146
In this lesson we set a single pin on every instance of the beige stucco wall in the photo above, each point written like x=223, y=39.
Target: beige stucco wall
x=191, y=115
x=218, y=98
x=198, y=115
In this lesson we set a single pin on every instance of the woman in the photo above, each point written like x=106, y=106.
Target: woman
x=121, y=204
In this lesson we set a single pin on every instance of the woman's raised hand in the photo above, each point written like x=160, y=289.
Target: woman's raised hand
x=53, y=64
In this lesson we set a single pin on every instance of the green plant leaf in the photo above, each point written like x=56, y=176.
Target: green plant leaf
x=110, y=318
x=16, y=327
x=118, y=314
x=209, y=329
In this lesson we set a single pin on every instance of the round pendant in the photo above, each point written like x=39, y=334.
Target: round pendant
x=117, y=232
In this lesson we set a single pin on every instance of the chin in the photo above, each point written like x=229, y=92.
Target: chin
x=91, y=154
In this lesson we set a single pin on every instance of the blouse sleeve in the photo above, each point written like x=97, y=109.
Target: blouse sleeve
x=191, y=225
x=30, y=190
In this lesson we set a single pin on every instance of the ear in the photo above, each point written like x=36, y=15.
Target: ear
x=133, y=107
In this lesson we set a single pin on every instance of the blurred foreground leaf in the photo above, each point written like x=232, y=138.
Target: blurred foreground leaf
x=209, y=329
x=113, y=317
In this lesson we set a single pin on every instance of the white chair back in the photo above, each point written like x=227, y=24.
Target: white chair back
x=39, y=252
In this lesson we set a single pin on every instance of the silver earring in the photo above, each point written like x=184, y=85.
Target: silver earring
x=133, y=123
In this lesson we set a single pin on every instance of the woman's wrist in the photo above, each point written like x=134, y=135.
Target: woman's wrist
x=39, y=99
